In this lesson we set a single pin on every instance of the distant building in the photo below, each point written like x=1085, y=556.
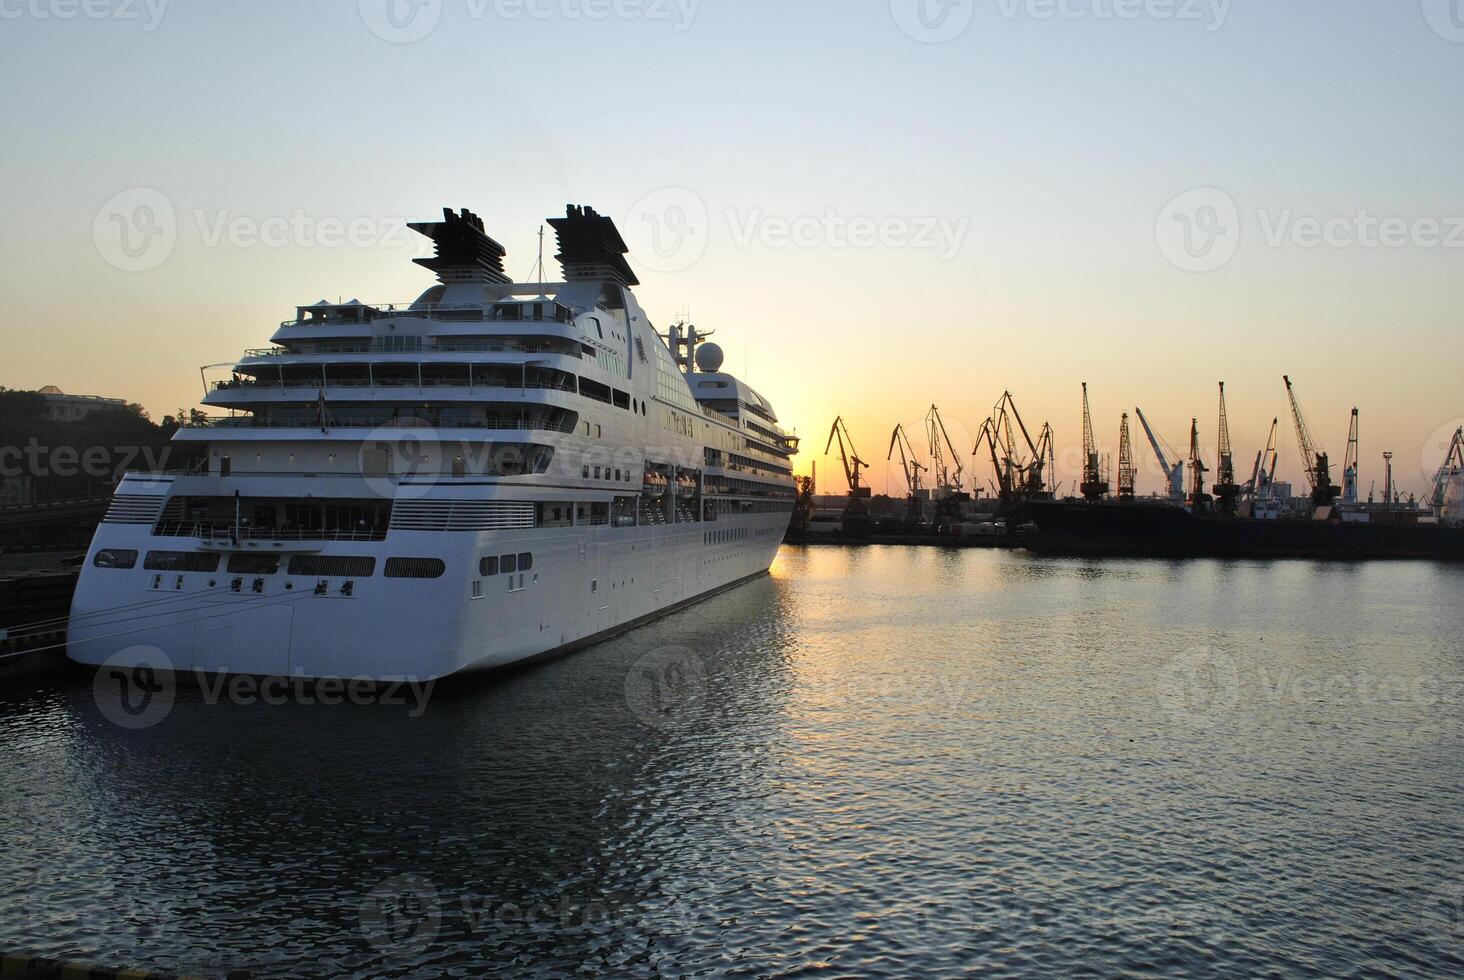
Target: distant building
x=61, y=407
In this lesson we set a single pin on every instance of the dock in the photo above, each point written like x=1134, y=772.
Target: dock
x=34, y=604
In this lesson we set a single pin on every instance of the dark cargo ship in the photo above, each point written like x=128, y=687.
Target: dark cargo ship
x=1164, y=530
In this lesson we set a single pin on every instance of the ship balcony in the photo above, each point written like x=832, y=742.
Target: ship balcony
x=443, y=352
x=373, y=382
x=207, y=429
x=238, y=395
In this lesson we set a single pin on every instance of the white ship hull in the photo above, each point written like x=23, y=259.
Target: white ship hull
x=583, y=587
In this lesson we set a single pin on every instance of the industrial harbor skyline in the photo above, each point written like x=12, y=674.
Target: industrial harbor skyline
x=1146, y=203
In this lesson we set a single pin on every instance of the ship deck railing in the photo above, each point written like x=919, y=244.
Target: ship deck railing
x=434, y=311
x=479, y=347
x=313, y=384
x=403, y=422
x=193, y=529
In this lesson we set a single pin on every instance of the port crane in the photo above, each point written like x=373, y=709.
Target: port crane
x=1314, y=457
x=1263, y=475
x=1169, y=460
x=1044, y=467
x=1227, y=491
x=1016, y=476
x=853, y=465
x=910, y=466
x=1351, y=463
x=1094, y=486
x=1127, y=473
x=945, y=461
x=1199, y=500
x=1451, y=470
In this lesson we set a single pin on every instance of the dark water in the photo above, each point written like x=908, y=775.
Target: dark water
x=876, y=762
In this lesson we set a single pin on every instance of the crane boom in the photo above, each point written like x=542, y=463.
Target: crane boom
x=1126, y=471
x=1169, y=460
x=909, y=463
x=1313, y=456
x=1352, y=462
x=940, y=445
x=1227, y=492
x=1199, y=500
x=1452, y=468
x=1265, y=469
x=1094, y=486
x=849, y=456
x=1003, y=478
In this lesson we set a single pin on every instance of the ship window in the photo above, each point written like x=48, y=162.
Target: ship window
x=253, y=564
x=415, y=568
x=597, y=472
x=488, y=567
x=508, y=564
x=333, y=566
x=115, y=558
x=525, y=562
x=587, y=469
x=181, y=561
x=622, y=399
x=595, y=390
x=554, y=515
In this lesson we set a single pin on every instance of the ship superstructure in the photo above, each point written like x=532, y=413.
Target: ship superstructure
x=494, y=472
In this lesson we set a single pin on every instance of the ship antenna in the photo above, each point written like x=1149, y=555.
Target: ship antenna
x=537, y=273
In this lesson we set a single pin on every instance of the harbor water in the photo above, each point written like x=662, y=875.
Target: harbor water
x=876, y=761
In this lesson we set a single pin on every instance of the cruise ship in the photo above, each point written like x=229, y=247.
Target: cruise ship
x=493, y=473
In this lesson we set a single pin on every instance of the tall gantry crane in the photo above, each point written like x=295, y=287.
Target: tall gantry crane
x=1314, y=457
x=853, y=465
x=910, y=466
x=1451, y=470
x=1227, y=492
x=1352, y=461
x=1094, y=487
x=1169, y=460
x=1199, y=500
x=1018, y=474
x=1127, y=473
x=945, y=461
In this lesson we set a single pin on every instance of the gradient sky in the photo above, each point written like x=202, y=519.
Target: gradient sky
x=1057, y=142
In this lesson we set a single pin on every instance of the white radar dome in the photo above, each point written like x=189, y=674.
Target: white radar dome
x=709, y=358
